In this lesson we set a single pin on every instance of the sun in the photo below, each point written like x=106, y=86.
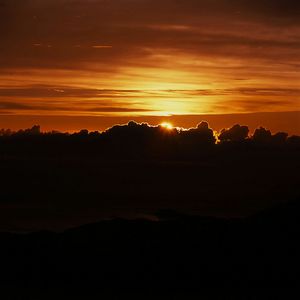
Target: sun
x=167, y=125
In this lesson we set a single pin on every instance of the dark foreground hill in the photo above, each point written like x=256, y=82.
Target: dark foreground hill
x=175, y=252
x=47, y=184
x=236, y=201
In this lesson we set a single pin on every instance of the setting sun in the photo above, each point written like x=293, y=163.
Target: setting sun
x=167, y=125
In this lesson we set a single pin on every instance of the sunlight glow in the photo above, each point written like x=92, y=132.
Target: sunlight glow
x=167, y=125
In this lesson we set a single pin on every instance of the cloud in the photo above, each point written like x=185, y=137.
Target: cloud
x=187, y=45
x=135, y=140
x=102, y=47
x=197, y=26
x=234, y=134
x=46, y=91
x=265, y=137
x=12, y=105
x=201, y=135
x=79, y=100
x=61, y=107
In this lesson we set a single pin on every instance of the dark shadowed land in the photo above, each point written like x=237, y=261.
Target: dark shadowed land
x=55, y=180
x=166, y=207
x=175, y=252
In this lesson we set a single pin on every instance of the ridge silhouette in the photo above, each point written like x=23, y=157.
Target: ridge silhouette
x=189, y=251
x=54, y=180
x=146, y=206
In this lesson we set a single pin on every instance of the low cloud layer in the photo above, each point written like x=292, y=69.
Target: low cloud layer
x=144, y=137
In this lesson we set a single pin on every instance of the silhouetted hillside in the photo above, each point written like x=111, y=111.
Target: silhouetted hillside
x=180, y=251
x=166, y=208
x=55, y=180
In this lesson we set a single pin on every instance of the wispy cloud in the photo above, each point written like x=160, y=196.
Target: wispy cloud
x=102, y=47
x=65, y=91
x=188, y=56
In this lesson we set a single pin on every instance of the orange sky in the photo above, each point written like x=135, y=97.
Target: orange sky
x=67, y=61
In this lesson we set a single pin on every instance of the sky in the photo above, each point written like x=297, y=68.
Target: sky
x=71, y=64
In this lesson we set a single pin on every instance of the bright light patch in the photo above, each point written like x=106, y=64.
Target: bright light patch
x=167, y=125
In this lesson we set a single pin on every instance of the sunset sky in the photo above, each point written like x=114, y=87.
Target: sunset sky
x=71, y=64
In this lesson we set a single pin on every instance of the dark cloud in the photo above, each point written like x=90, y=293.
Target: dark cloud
x=241, y=91
x=262, y=135
x=12, y=105
x=277, y=101
x=45, y=106
x=65, y=33
x=265, y=137
x=117, y=109
x=199, y=136
x=234, y=134
x=135, y=139
x=48, y=91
